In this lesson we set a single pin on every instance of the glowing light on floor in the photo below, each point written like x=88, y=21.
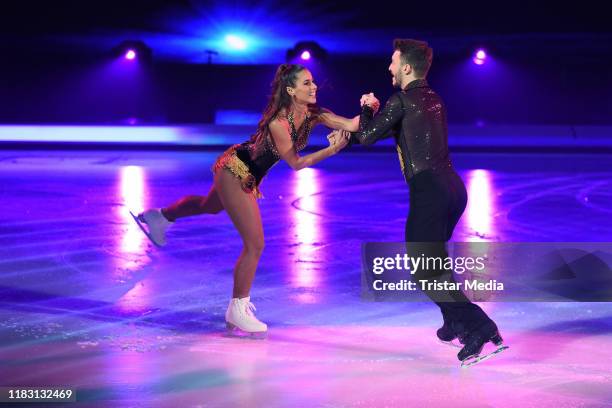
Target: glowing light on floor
x=131, y=253
x=138, y=299
x=480, y=209
x=307, y=228
x=132, y=243
x=132, y=195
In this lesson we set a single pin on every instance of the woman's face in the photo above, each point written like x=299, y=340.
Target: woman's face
x=305, y=90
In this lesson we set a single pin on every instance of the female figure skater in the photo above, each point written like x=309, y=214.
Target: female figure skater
x=282, y=132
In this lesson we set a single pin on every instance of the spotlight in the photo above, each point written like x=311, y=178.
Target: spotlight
x=133, y=50
x=480, y=57
x=235, y=42
x=306, y=51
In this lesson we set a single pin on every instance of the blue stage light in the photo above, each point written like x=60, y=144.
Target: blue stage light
x=235, y=42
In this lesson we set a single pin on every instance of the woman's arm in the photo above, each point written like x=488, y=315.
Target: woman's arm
x=279, y=128
x=331, y=120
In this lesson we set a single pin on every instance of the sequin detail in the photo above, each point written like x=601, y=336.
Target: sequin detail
x=401, y=157
x=251, y=160
x=416, y=116
x=229, y=160
x=299, y=137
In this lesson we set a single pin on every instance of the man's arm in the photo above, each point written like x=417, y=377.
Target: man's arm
x=372, y=129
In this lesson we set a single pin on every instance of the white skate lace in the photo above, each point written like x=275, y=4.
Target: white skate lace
x=249, y=309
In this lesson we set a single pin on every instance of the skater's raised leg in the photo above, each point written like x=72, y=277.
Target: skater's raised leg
x=155, y=221
x=194, y=205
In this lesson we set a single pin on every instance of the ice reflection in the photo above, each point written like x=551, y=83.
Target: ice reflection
x=132, y=198
x=131, y=253
x=481, y=205
x=307, y=231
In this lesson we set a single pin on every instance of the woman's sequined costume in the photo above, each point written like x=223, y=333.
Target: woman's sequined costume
x=250, y=161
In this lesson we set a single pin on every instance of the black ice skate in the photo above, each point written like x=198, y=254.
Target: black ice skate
x=472, y=354
x=448, y=336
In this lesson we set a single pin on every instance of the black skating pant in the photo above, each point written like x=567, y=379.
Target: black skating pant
x=437, y=201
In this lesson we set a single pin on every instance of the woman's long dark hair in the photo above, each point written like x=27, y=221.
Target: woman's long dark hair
x=286, y=75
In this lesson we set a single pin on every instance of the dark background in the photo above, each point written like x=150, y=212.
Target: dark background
x=550, y=64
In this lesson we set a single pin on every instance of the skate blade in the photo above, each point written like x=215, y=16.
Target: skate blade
x=453, y=343
x=473, y=360
x=234, y=331
x=141, y=225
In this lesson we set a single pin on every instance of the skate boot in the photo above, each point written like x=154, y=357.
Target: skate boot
x=472, y=354
x=240, y=320
x=448, y=336
x=153, y=223
x=452, y=334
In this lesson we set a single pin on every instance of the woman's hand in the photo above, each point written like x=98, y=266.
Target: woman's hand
x=338, y=139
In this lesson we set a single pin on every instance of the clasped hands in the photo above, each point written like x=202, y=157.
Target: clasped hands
x=371, y=101
x=338, y=139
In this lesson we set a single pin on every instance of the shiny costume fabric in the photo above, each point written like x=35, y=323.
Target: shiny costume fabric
x=417, y=117
x=250, y=161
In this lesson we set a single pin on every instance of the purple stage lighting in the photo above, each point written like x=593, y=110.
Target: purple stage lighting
x=133, y=50
x=306, y=51
x=480, y=57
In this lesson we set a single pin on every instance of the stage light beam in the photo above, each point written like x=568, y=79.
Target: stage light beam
x=235, y=42
x=480, y=57
x=130, y=55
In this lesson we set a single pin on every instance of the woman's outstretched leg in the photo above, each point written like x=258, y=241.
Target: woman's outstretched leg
x=155, y=222
x=243, y=209
x=194, y=205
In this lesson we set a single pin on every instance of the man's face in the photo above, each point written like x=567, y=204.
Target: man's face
x=395, y=68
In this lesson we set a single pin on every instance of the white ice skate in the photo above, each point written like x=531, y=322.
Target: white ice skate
x=153, y=223
x=240, y=320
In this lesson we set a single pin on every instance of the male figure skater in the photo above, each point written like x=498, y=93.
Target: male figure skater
x=416, y=116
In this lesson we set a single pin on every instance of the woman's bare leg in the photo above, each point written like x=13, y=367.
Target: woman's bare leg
x=194, y=205
x=243, y=209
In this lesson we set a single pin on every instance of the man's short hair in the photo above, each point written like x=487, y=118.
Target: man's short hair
x=415, y=53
